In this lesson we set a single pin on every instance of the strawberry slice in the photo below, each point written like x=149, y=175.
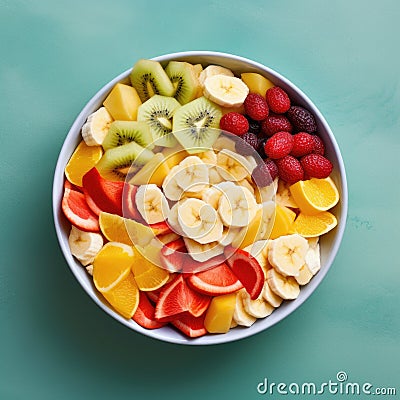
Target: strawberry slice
x=129, y=203
x=144, y=315
x=107, y=195
x=78, y=212
x=174, y=258
x=190, y=326
x=215, y=281
x=177, y=298
x=247, y=269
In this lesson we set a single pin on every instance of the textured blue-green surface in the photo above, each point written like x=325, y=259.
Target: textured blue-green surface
x=55, y=343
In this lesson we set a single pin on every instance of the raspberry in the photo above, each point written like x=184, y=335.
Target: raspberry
x=302, y=119
x=235, y=123
x=277, y=99
x=279, y=145
x=272, y=168
x=303, y=144
x=319, y=147
x=256, y=107
x=254, y=126
x=275, y=123
x=261, y=146
x=316, y=166
x=290, y=169
x=248, y=145
x=261, y=175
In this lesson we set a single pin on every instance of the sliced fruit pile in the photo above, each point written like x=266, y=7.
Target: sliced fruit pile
x=197, y=198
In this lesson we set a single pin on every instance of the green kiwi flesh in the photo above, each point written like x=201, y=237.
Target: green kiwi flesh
x=149, y=78
x=196, y=125
x=124, y=132
x=184, y=79
x=120, y=161
x=157, y=113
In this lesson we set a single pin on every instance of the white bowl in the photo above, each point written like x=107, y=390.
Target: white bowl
x=329, y=242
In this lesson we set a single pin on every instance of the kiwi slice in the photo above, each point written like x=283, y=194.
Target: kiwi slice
x=196, y=124
x=157, y=113
x=124, y=132
x=184, y=79
x=120, y=161
x=149, y=78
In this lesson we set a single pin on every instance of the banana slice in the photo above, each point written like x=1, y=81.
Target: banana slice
x=172, y=219
x=237, y=206
x=304, y=275
x=285, y=287
x=84, y=245
x=214, y=175
x=151, y=203
x=96, y=127
x=258, y=308
x=313, y=241
x=267, y=218
x=170, y=186
x=313, y=259
x=228, y=235
x=251, y=162
x=212, y=70
x=287, y=254
x=211, y=196
x=283, y=195
x=245, y=183
x=234, y=167
x=240, y=315
x=271, y=297
x=224, y=142
x=200, y=221
x=192, y=175
x=89, y=269
x=227, y=91
x=209, y=158
x=203, y=252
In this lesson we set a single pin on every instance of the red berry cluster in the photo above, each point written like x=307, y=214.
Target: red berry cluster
x=284, y=135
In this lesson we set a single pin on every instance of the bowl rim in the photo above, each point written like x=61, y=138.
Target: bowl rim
x=64, y=155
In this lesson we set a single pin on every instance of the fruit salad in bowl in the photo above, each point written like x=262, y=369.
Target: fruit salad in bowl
x=199, y=197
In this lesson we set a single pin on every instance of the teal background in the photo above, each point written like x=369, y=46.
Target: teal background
x=55, y=343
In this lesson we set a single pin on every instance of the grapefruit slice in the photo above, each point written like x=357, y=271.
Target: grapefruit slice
x=215, y=281
x=248, y=271
x=144, y=315
x=78, y=212
x=190, y=326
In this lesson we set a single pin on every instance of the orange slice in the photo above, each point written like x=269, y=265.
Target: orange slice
x=315, y=195
x=82, y=160
x=148, y=276
x=282, y=224
x=123, y=230
x=111, y=265
x=314, y=225
x=124, y=297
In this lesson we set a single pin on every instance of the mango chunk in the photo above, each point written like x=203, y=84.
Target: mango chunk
x=220, y=313
x=123, y=102
x=256, y=82
x=154, y=171
x=283, y=222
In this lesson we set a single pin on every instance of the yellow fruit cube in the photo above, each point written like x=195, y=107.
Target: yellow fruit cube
x=251, y=232
x=256, y=83
x=174, y=157
x=123, y=102
x=219, y=314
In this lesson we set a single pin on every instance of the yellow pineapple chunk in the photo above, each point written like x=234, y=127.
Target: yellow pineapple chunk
x=123, y=102
x=219, y=314
x=256, y=83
